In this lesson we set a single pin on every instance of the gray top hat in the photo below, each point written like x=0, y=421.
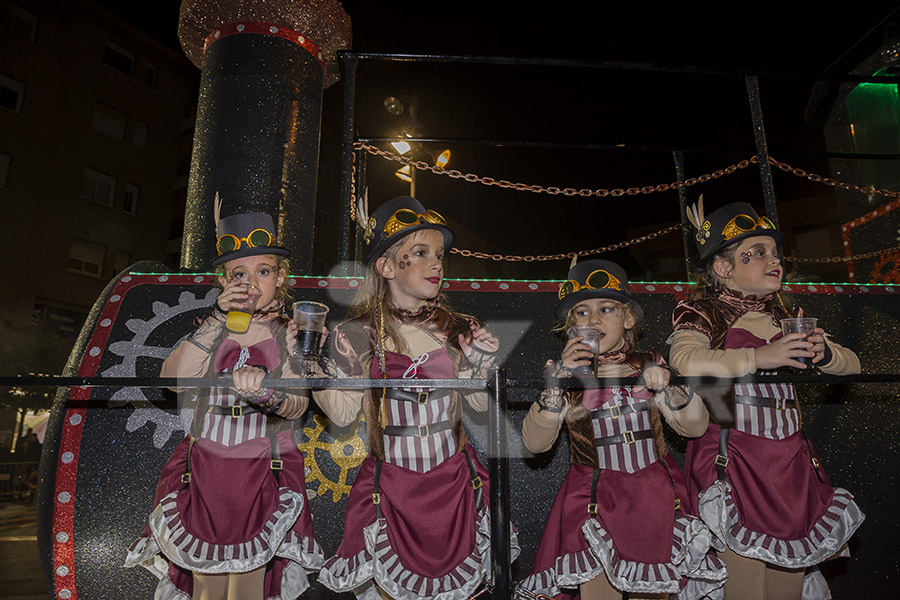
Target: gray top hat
x=596, y=279
x=246, y=234
x=726, y=226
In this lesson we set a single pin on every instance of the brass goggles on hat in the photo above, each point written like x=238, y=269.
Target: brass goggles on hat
x=744, y=223
x=597, y=280
x=258, y=238
x=405, y=217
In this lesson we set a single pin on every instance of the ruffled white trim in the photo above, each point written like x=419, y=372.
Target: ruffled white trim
x=169, y=541
x=690, y=559
x=814, y=586
x=358, y=573
x=825, y=539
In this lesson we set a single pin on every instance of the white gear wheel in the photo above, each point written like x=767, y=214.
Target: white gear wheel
x=167, y=424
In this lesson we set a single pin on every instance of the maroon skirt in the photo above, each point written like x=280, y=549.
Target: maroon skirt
x=776, y=505
x=431, y=539
x=233, y=516
x=637, y=538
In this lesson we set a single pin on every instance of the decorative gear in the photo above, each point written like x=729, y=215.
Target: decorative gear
x=347, y=452
x=887, y=268
x=168, y=423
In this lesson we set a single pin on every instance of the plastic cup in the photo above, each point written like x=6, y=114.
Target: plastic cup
x=803, y=325
x=591, y=338
x=310, y=319
x=238, y=320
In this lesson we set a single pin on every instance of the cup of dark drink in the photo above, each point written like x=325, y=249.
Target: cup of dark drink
x=590, y=337
x=803, y=325
x=310, y=319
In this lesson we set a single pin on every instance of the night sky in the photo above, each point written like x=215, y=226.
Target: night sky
x=636, y=117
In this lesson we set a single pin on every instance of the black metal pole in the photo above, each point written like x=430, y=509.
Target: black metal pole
x=348, y=63
x=682, y=212
x=361, y=163
x=498, y=461
x=762, y=150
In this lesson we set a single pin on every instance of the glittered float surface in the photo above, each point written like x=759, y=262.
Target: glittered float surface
x=129, y=433
x=322, y=21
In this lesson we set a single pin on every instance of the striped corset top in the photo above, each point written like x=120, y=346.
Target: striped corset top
x=617, y=411
x=766, y=410
x=418, y=432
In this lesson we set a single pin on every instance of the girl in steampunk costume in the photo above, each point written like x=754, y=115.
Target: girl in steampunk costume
x=417, y=522
x=617, y=524
x=230, y=518
x=756, y=476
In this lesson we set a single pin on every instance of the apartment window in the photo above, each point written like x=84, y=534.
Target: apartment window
x=139, y=135
x=98, y=187
x=120, y=261
x=85, y=257
x=5, y=161
x=109, y=121
x=130, y=204
x=17, y=21
x=12, y=93
x=148, y=76
x=118, y=58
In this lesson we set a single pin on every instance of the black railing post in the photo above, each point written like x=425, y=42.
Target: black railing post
x=686, y=232
x=348, y=67
x=498, y=462
x=762, y=149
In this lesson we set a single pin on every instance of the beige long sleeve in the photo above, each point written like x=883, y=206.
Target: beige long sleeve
x=541, y=427
x=843, y=360
x=690, y=354
x=688, y=417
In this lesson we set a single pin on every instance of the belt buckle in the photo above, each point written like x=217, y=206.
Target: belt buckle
x=276, y=464
x=815, y=462
x=677, y=503
x=185, y=478
x=615, y=412
x=629, y=436
x=422, y=397
x=592, y=508
x=423, y=431
x=237, y=411
x=476, y=483
x=721, y=461
x=376, y=498
x=780, y=403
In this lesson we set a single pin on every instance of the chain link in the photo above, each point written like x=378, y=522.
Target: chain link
x=832, y=182
x=552, y=190
x=616, y=193
x=562, y=255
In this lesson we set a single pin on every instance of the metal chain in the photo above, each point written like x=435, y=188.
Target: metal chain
x=832, y=182
x=843, y=259
x=353, y=188
x=563, y=255
x=616, y=192
x=552, y=190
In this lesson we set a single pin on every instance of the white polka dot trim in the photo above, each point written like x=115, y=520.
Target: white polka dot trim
x=889, y=289
x=678, y=288
x=863, y=289
x=273, y=29
x=126, y=278
x=323, y=283
x=475, y=285
x=445, y=285
x=838, y=288
x=67, y=457
x=217, y=34
x=199, y=278
x=62, y=537
x=62, y=570
x=650, y=288
x=504, y=286
x=163, y=278
x=811, y=288
x=240, y=27
x=75, y=420
x=105, y=323
x=532, y=286
x=95, y=351
x=64, y=497
x=301, y=39
x=65, y=594
x=353, y=283
x=115, y=298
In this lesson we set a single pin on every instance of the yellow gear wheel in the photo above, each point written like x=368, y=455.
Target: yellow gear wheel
x=347, y=451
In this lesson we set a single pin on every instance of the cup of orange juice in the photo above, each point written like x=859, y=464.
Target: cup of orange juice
x=238, y=319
